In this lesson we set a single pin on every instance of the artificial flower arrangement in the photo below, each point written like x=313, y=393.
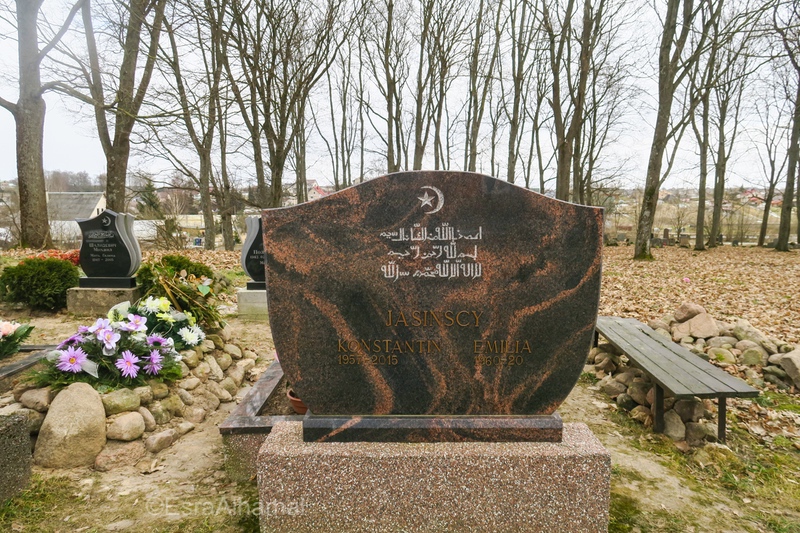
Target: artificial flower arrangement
x=133, y=344
x=12, y=334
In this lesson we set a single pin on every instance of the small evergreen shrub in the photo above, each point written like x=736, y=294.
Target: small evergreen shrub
x=39, y=283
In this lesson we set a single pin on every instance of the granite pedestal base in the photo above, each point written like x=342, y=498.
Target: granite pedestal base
x=252, y=304
x=15, y=456
x=445, y=486
x=97, y=302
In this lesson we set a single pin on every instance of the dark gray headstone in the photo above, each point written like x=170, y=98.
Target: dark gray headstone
x=253, y=253
x=109, y=252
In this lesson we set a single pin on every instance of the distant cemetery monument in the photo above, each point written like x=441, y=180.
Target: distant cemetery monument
x=252, y=301
x=434, y=307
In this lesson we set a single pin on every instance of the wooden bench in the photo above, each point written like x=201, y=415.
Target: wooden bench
x=673, y=368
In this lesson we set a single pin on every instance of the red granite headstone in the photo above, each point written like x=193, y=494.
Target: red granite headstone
x=433, y=306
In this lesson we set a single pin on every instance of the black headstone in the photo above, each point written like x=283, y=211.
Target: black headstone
x=253, y=254
x=108, y=256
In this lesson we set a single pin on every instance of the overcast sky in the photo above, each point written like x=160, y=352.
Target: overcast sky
x=71, y=142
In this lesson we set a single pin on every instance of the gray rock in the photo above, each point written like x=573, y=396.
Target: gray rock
x=246, y=364
x=215, y=389
x=185, y=370
x=215, y=372
x=607, y=366
x=745, y=331
x=160, y=441
x=15, y=450
x=206, y=346
x=149, y=420
x=189, y=383
x=74, y=430
x=204, y=400
x=642, y=414
x=225, y=333
x=184, y=427
x=689, y=410
x=236, y=373
x=37, y=399
x=145, y=394
x=173, y=404
x=626, y=378
x=663, y=332
x=754, y=356
x=638, y=391
x=224, y=360
x=697, y=433
x=775, y=359
x=21, y=388
x=191, y=358
x=778, y=382
x=126, y=427
x=216, y=340
x=229, y=385
x=624, y=401
x=185, y=396
x=679, y=331
x=721, y=342
x=703, y=326
x=202, y=371
x=776, y=371
x=658, y=324
x=791, y=364
x=746, y=345
x=721, y=355
x=117, y=454
x=119, y=401
x=673, y=426
x=160, y=414
x=688, y=310
x=160, y=390
x=247, y=354
x=194, y=414
x=233, y=350
x=786, y=348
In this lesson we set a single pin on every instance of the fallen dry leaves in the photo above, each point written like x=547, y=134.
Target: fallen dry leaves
x=760, y=285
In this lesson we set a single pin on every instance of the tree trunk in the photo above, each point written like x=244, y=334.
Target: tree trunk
x=29, y=116
x=788, y=194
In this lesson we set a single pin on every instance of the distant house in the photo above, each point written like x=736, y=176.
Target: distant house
x=64, y=207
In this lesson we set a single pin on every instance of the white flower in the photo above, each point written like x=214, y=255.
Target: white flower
x=150, y=305
x=189, y=336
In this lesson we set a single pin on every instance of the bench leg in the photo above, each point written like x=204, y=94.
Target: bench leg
x=658, y=422
x=722, y=415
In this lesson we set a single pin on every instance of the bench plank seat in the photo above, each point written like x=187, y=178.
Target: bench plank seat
x=673, y=368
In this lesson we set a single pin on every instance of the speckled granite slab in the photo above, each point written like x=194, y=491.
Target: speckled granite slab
x=444, y=486
x=433, y=293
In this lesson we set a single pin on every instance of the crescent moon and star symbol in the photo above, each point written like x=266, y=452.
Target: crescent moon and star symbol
x=106, y=221
x=428, y=200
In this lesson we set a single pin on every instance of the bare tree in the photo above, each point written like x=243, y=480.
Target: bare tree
x=681, y=19
x=786, y=22
x=28, y=113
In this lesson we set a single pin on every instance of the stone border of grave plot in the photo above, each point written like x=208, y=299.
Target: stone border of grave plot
x=80, y=427
x=739, y=348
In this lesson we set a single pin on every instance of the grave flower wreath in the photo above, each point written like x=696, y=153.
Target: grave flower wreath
x=12, y=334
x=133, y=344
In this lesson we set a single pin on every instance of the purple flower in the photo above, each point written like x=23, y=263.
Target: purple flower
x=127, y=364
x=156, y=340
x=155, y=363
x=75, y=339
x=102, y=323
x=71, y=360
x=109, y=338
x=83, y=329
x=136, y=323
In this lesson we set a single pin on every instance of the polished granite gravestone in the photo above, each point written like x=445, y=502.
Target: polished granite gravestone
x=109, y=253
x=433, y=306
x=252, y=301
